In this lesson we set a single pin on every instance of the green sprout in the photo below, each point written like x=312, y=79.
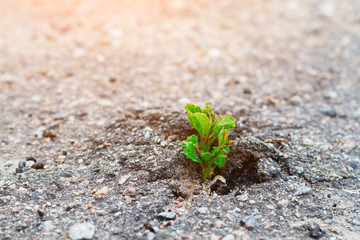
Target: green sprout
x=209, y=129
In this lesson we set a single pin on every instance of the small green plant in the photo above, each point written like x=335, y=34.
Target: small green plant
x=209, y=129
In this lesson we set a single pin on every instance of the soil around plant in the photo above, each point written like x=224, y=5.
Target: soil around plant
x=92, y=117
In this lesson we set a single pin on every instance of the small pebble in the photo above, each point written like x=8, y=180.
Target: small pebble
x=166, y=216
x=242, y=197
x=82, y=231
x=22, y=164
x=316, y=231
x=302, y=190
x=15, y=210
x=219, y=223
x=356, y=220
x=38, y=165
x=335, y=230
x=249, y=222
x=353, y=165
x=329, y=113
x=21, y=170
x=8, y=164
x=31, y=159
x=123, y=179
x=130, y=191
x=101, y=192
x=203, y=210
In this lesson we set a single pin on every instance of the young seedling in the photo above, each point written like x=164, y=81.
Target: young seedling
x=209, y=129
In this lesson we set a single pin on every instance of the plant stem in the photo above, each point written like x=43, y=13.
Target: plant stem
x=205, y=173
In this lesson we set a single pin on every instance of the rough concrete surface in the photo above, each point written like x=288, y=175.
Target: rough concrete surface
x=92, y=118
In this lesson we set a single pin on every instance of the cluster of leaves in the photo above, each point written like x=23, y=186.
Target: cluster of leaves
x=209, y=129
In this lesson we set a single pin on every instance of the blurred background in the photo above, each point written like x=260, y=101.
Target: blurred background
x=85, y=57
x=178, y=48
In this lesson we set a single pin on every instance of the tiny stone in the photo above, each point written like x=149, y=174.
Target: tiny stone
x=82, y=231
x=356, y=220
x=38, y=165
x=219, y=223
x=316, y=231
x=102, y=191
x=123, y=179
x=130, y=191
x=8, y=164
x=22, y=164
x=298, y=170
x=330, y=94
x=156, y=229
x=283, y=203
x=335, y=230
x=22, y=190
x=270, y=206
x=284, y=177
x=242, y=197
x=166, y=216
x=307, y=141
x=15, y=210
x=302, y=190
x=353, y=165
x=249, y=222
x=147, y=135
x=21, y=170
x=150, y=236
x=60, y=116
x=31, y=159
x=330, y=113
x=247, y=91
x=203, y=210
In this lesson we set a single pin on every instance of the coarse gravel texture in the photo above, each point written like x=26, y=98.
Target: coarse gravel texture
x=92, y=119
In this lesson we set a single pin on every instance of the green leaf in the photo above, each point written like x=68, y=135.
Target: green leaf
x=200, y=122
x=190, y=146
x=208, y=111
x=190, y=116
x=220, y=160
x=226, y=150
x=223, y=122
x=192, y=108
x=206, y=156
x=223, y=136
x=221, y=156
